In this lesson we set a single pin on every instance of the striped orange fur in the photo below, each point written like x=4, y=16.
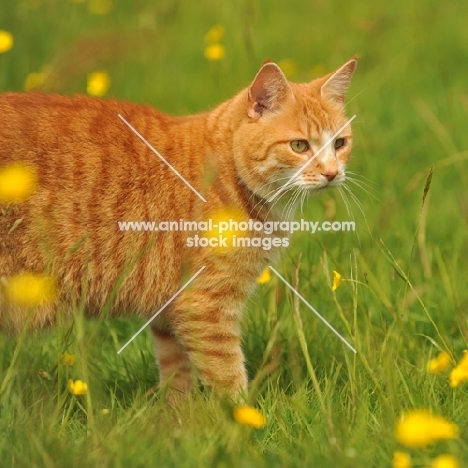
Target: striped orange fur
x=93, y=172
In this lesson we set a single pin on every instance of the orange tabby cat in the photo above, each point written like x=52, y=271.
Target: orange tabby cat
x=93, y=172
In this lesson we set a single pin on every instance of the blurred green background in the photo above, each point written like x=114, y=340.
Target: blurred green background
x=403, y=297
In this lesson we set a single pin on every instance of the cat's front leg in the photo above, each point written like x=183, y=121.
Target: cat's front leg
x=208, y=326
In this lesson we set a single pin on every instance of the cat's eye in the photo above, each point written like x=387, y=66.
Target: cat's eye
x=299, y=146
x=339, y=142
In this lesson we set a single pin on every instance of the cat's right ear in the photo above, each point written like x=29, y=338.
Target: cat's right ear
x=334, y=89
x=269, y=88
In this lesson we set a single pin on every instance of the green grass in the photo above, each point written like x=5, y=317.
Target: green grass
x=403, y=296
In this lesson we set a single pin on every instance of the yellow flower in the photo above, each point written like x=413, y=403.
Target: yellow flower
x=249, y=416
x=439, y=364
x=457, y=376
x=336, y=280
x=215, y=52
x=6, y=41
x=105, y=411
x=418, y=428
x=460, y=372
x=445, y=461
x=34, y=81
x=17, y=182
x=78, y=387
x=215, y=34
x=67, y=359
x=98, y=83
x=227, y=224
x=28, y=289
x=288, y=67
x=264, y=277
x=100, y=7
x=401, y=460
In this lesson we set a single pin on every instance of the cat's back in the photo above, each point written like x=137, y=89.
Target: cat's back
x=92, y=171
x=40, y=120
x=86, y=158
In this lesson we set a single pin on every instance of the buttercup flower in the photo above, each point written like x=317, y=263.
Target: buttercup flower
x=401, y=460
x=419, y=428
x=98, y=83
x=460, y=372
x=288, y=67
x=17, y=182
x=100, y=7
x=264, y=277
x=6, y=41
x=215, y=52
x=215, y=34
x=249, y=416
x=439, y=364
x=28, y=289
x=226, y=223
x=336, y=280
x=445, y=461
x=34, y=81
x=78, y=387
x=67, y=359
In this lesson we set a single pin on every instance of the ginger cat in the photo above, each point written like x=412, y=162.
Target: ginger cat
x=93, y=172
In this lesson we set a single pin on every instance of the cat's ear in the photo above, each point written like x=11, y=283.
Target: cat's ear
x=267, y=91
x=334, y=89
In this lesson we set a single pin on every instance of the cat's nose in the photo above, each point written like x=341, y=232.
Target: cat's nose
x=330, y=175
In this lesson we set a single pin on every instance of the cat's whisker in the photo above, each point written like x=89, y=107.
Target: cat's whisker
x=356, y=201
x=294, y=204
x=344, y=196
x=270, y=182
x=358, y=204
x=263, y=199
x=290, y=204
x=277, y=199
x=367, y=191
x=370, y=184
x=297, y=201
x=354, y=198
x=303, y=196
x=362, y=182
x=346, y=203
x=358, y=174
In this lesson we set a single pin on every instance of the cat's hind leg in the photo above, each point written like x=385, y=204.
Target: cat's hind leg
x=175, y=369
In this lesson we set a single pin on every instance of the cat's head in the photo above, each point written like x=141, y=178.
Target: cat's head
x=288, y=126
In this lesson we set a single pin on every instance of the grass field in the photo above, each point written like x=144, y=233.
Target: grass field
x=403, y=296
